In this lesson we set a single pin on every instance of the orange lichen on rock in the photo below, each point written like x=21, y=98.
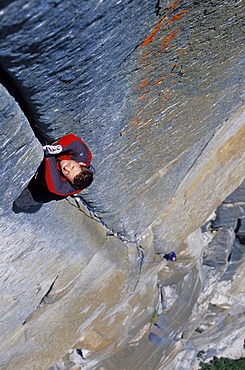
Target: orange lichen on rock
x=158, y=81
x=139, y=123
x=164, y=47
x=173, y=6
x=145, y=82
x=143, y=90
x=148, y=65
x=170, y=37
x=176, y=17
x=150, y=38
x=143, y=56
x=167, y=96
x=160, y=24
x=133, y=119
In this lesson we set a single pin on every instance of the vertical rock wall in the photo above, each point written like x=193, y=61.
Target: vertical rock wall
x=156, y=90
x=124, y=76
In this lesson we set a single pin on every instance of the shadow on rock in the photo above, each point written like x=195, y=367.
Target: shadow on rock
x=31, y=209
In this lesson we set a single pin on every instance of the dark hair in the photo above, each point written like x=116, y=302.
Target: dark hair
x=83, y=179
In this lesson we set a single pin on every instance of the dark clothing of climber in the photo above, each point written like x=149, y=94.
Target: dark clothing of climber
x=65, y=170
x=170, y=256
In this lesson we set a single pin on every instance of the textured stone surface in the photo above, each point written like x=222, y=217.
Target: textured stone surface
x=157, y=93
x=21, y=152
x=86, y=71
x=202, y=308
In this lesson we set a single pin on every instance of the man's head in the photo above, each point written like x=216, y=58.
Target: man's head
x=76, y=173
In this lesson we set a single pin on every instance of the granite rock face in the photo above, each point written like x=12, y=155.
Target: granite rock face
x=156, y=91
x=200, y=311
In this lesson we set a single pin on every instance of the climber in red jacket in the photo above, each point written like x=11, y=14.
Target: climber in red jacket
x=65, y=170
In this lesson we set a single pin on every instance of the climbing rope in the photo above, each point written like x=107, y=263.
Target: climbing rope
x=122, y=238
x=141, y=254
x=117, y=235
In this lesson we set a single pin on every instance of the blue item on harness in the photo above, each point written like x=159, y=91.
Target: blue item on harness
x=170, y=256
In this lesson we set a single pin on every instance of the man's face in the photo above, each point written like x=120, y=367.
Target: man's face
x=70, y=168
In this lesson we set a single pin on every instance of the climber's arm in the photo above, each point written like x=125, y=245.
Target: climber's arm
x=76, y=147
x=54, y=181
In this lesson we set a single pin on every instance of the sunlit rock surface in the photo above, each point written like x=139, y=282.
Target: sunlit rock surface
x=156, y=90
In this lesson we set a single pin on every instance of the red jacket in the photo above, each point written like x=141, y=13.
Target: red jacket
x=73, y=148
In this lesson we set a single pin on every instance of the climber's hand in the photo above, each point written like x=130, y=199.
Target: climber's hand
x=52, y=149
